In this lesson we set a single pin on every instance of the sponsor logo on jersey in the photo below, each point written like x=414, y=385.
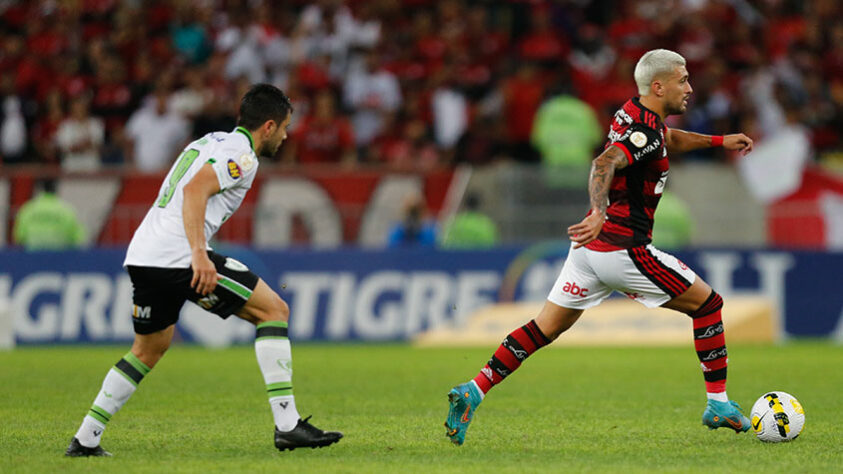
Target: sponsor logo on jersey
x=234, y=169
x=487, y=372
x=573, y=289
x=648, y=149
x=638, y=139
x=246, y=161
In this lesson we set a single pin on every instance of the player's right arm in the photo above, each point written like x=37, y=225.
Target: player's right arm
x=600, y=180
x=196, y=193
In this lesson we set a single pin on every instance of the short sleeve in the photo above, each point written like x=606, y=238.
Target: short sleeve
x=234, y=169
x=640, y=143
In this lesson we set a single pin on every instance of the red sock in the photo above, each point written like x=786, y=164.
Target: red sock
x=517, y=346
x=710, y=343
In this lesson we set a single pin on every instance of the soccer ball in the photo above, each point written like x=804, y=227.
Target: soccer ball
x=777, y=416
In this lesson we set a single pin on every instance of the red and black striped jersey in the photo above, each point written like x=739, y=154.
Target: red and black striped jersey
x=636, y=189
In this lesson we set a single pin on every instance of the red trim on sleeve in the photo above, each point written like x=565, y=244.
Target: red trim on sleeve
x=623, y=147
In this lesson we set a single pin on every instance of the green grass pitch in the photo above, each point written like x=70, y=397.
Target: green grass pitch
x=566, y=409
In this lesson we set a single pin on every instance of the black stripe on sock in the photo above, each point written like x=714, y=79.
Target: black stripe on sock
x=708, y=331
x=715, y=375
x=538, y=332
x=271, y=331
x=129, y=370
x=532, y=338
x=710, y=355
x=104, y=415
x=704, y=310
x=499, y=367
x=515, y=348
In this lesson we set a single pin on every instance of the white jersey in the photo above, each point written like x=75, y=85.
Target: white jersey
x=160, y=240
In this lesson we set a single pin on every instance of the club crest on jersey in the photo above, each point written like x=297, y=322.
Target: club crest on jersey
x=246, y=161
x=638, y=139
x=234, y=170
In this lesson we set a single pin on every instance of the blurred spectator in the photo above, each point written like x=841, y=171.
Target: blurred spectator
x=322, y=137
x=189, y=36
x=372, y=92
x=470, y=228
x=415, y=228
x=406, y=144
x=45, y=222
x=542, y=43
x=12, y=131
x=673, y=226
x=522, y=96
x=80, y=137
x=190, y=101
x=155, y=134
x=450, y=110
x=566, y=131
x=482, y=143
x=501, y=54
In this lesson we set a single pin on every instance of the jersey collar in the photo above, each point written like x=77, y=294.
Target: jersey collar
x=248, y=135
x=637, y=101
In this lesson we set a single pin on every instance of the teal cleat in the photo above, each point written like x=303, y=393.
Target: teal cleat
x=464, y=399
x=723, y=414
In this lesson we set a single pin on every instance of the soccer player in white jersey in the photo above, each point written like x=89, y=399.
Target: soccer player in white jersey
x=169, y=262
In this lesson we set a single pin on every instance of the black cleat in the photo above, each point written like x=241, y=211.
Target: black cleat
x=305, y=435
x=76, y=450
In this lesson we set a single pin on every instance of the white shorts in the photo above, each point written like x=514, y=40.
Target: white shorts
x=645, y=274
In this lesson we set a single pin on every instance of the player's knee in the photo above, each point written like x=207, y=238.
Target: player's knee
x=712, y=304
x=278, y=309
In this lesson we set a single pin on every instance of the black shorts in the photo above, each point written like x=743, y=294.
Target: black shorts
x=159, y=293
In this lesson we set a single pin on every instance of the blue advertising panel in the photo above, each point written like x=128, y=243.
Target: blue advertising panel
x=381, y=295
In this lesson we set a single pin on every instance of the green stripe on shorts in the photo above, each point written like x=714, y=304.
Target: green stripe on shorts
x=235, y=287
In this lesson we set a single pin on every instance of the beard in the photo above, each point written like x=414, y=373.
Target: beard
x=267, y=149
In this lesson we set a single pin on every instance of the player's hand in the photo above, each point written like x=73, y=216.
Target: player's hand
x=587, y=230
x=737, y=142
x=204, y=273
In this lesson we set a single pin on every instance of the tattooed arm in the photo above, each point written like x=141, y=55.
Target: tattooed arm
x=602, y=171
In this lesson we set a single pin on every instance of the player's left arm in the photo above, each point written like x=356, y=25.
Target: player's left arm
x=202, y=186
x=680, y=141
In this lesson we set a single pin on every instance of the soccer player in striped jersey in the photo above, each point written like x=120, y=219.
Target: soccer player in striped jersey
x=611, y=248
x=169, y=262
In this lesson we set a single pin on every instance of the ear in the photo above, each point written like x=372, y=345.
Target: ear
x=657, y=88
x=269, y=127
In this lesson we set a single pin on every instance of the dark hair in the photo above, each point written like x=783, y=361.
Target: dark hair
x=263, y=102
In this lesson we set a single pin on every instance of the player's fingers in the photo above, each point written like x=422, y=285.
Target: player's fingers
x=195, y=280
x=206, y=283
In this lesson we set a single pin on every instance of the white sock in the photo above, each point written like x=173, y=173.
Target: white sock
x=275, y=360
x=719, y=396
x=119, y=384
x=482, y=395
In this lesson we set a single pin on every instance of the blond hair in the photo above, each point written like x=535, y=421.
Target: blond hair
x=653, y=64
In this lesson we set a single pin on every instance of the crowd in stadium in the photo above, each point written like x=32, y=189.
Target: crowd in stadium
x=87, y=84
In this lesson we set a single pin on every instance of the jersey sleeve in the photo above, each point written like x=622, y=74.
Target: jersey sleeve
x=234, y=168
x=640, y=143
